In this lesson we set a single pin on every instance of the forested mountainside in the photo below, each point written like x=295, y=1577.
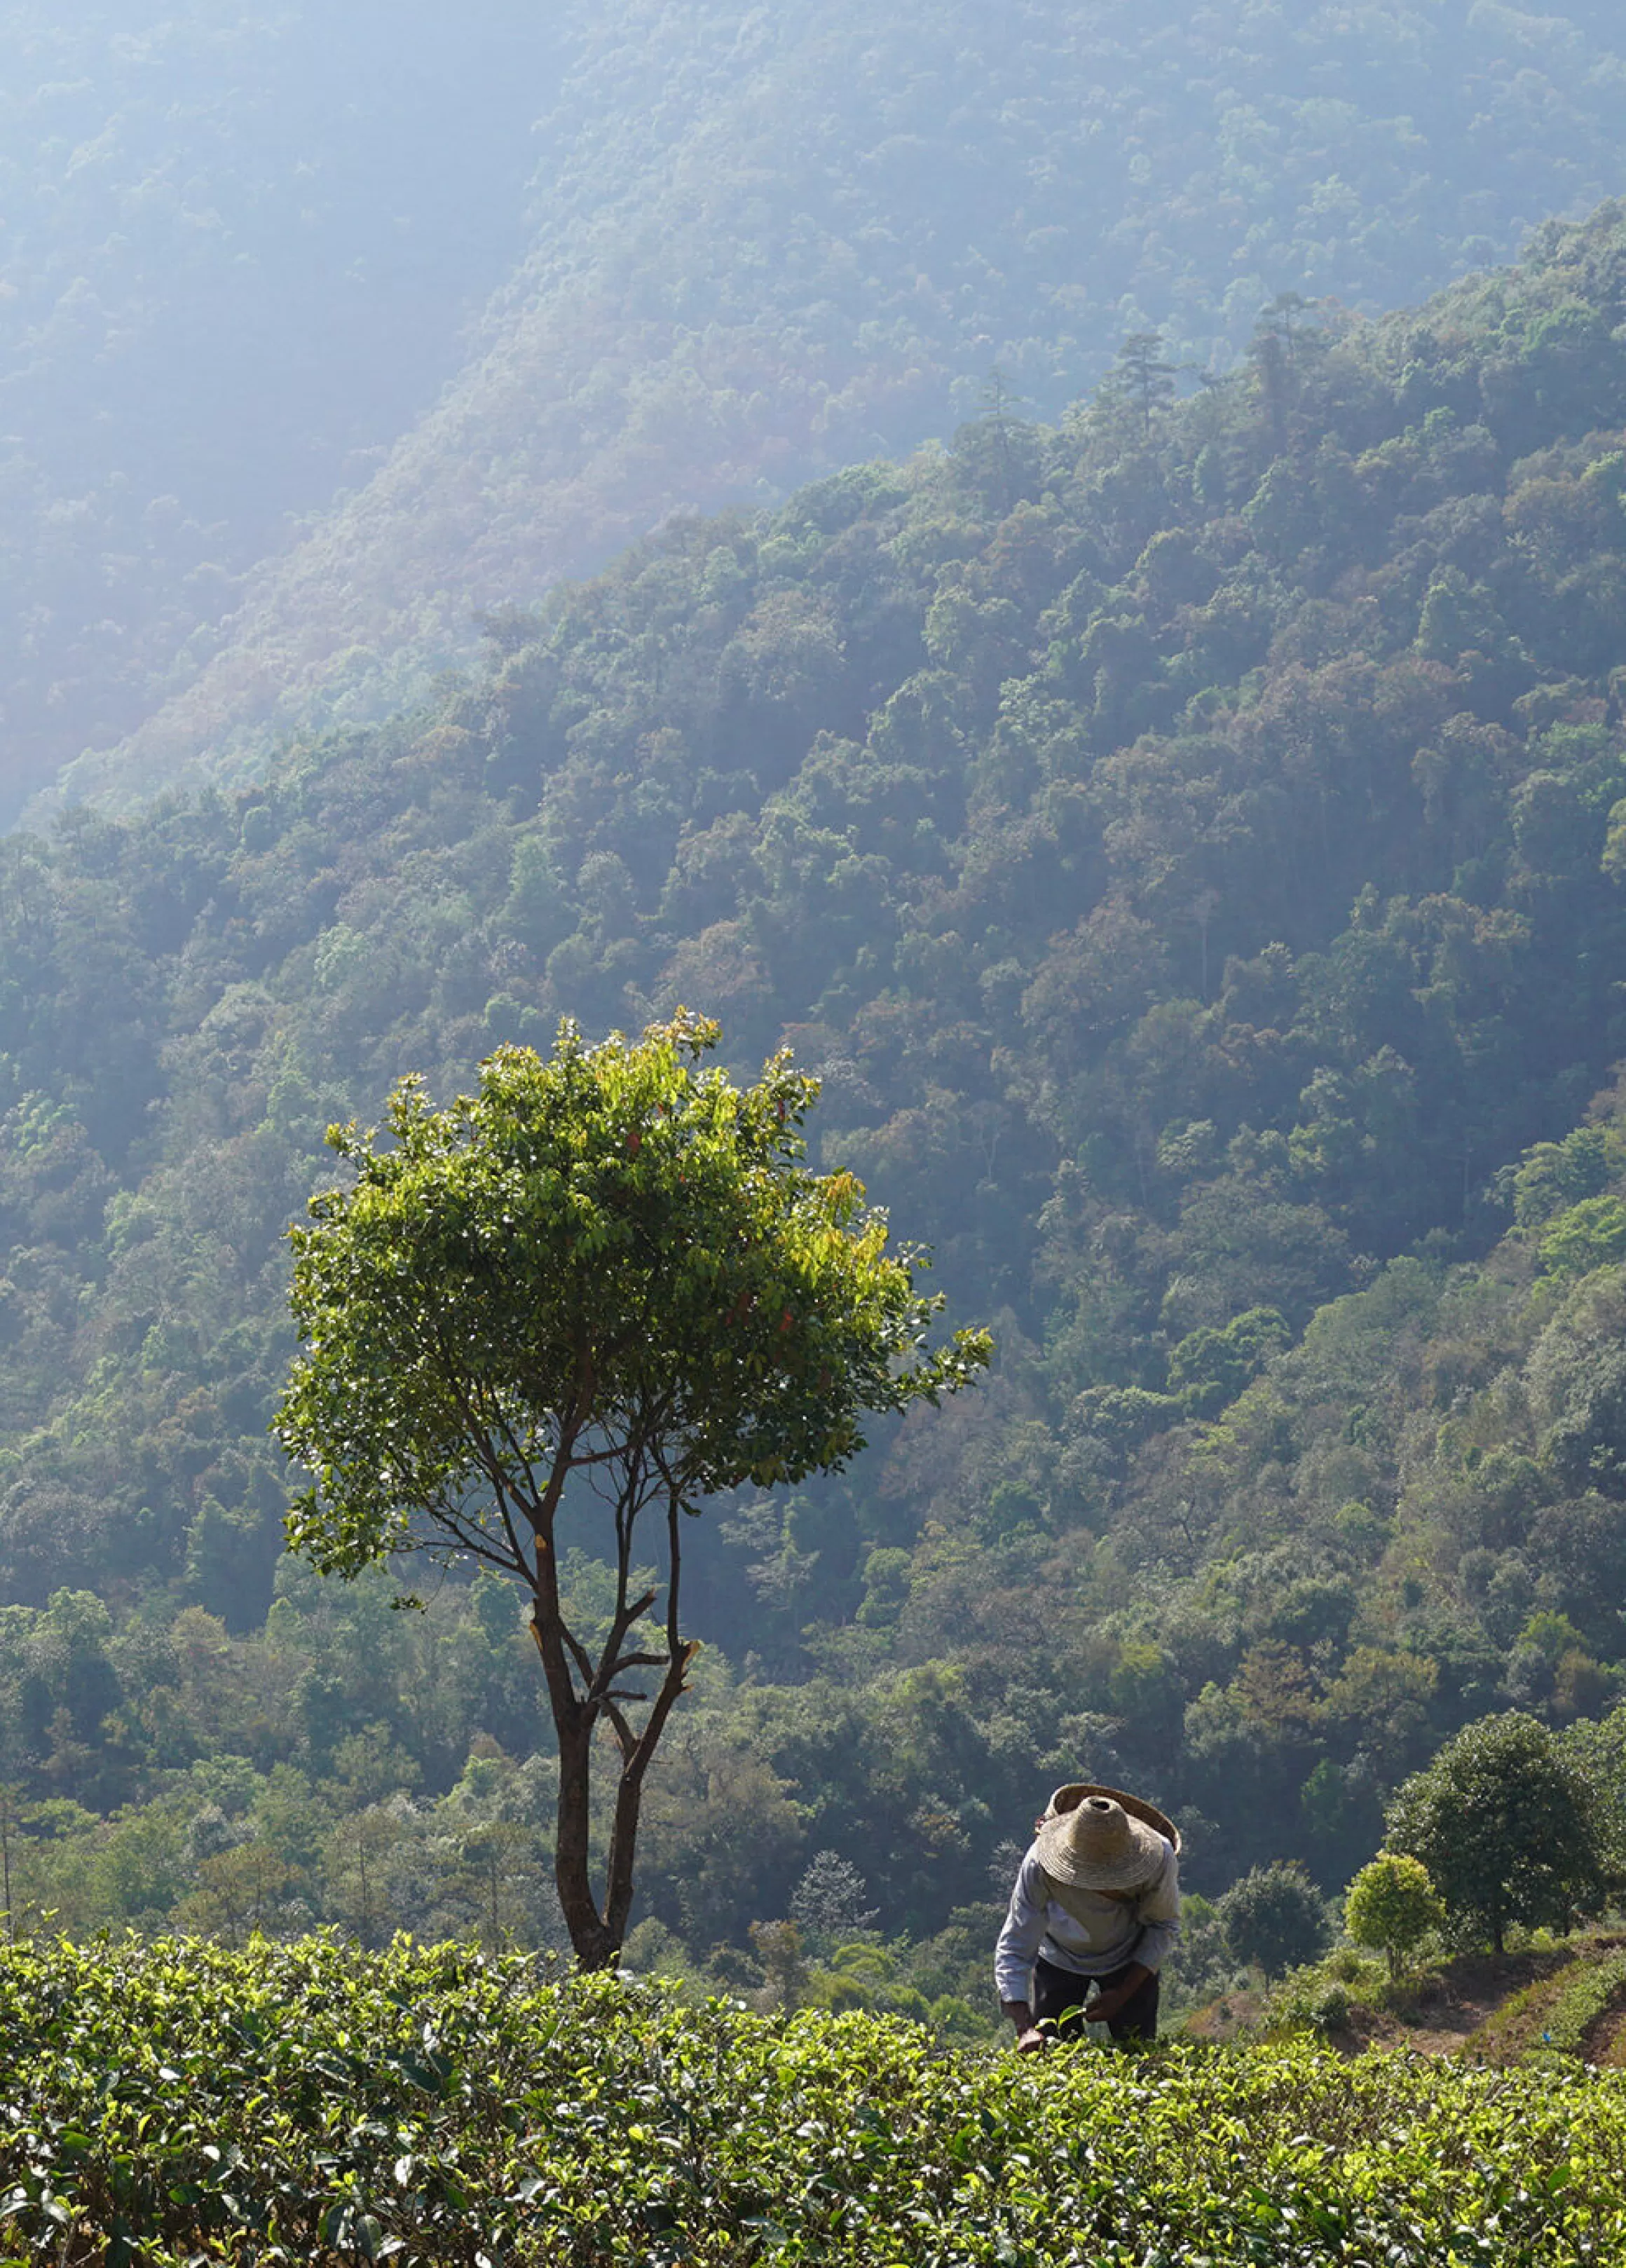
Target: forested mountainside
x=1188, y=844
x=766, y=241
x=227, y=275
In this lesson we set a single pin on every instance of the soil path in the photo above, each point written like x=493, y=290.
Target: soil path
x=1445, y=2016
x=1605, y=2043
x=1460, y=2003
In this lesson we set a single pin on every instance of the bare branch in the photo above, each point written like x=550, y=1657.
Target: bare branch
x=674, y=1547
x=437, y=1548
x=626, y=1739
x=466, y=1538
x=584, y=1659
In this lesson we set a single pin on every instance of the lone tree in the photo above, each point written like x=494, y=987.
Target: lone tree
x=1505, y=1824
x=1391, y=1905
x=604, y=1285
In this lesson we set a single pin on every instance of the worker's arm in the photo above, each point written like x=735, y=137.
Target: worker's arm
x=1107, y=2003
x=1158, y=1912
x=1013, y=1960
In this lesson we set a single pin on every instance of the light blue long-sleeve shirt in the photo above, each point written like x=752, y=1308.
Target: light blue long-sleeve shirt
x=1092, y=1933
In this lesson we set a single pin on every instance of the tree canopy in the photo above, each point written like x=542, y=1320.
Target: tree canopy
x=1505, y=1824
x=1274, y=1917
x=1393, y=1905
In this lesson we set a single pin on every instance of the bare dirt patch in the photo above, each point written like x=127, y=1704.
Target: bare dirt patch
x=1449, y=2008
x=1226, y=2018
x=1606, y=2041
x=1480, y=2004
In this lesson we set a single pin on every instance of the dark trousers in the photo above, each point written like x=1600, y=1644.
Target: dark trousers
x=1058, y=1991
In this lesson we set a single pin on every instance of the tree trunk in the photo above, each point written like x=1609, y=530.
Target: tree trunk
x=590, y=1940
x=592, y=1944
x=596, y=1936
x=630, y=1795
x=595, y=1946
x=623, y=1844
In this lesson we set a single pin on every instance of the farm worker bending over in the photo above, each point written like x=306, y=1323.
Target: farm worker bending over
x=1096, y=1906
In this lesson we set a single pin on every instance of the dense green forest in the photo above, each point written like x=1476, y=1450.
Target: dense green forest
x=1187, y=844
x=756, y=244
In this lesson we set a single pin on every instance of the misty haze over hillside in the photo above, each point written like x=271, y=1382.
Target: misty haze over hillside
x=725, y=248
x=239, y=251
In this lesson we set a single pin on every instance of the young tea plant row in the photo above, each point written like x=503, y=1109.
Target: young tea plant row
x=1554, y=2014
x=176, y=2103
x=1589, y=1991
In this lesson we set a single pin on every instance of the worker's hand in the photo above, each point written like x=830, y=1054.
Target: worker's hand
x=1032, y=2041
x=1105, y=2005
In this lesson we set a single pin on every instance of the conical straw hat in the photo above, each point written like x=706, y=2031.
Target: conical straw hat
x=1098, y=1839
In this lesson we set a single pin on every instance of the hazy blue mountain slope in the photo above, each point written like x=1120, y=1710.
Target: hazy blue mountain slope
x=770, y=241
x=240, y=251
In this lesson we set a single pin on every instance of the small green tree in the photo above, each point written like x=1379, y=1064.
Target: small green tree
x=1597, y=1749
x=1391, y=1905
x=778, y=1946
x=1141, y=380
x=603, y=1286
x=1274, y=1916
x=1504, y=1822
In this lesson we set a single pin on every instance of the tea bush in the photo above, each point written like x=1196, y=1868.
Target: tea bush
x=175, y=2101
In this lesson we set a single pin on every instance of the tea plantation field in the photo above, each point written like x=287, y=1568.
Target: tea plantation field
x=173, y=2102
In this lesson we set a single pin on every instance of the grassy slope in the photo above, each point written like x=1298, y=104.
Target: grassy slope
x=1554, y=2005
